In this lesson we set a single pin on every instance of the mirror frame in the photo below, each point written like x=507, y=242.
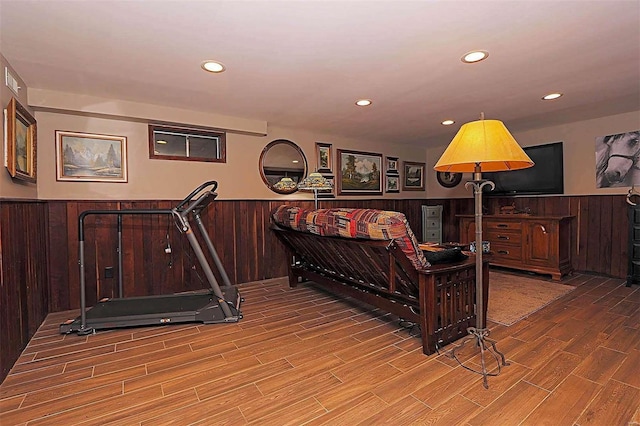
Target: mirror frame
x=262, y=158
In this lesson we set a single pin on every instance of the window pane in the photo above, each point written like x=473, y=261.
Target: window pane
x=203, y=147
x=166, y=144
x=175, y=143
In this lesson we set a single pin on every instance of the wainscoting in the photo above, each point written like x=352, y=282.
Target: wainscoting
x=23, y=276
x=39, y=248
x=239, y=231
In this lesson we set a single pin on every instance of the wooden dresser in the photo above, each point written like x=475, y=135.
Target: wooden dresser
x=533, y=243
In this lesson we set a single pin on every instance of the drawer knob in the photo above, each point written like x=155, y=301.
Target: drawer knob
x=503, y=237
x=502, y=225
x=503, y=251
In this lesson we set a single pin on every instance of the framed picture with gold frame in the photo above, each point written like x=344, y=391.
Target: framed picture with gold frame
x=90, y=157
x=20, y=142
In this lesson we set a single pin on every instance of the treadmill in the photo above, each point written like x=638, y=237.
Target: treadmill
x=210, y=306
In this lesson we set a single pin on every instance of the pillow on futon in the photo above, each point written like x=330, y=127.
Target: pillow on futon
x=369, y=224
x=445, y=256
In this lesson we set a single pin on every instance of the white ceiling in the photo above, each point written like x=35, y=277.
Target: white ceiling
x=303, y=63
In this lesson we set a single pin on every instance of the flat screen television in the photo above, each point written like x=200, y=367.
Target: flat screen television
x=545, y=177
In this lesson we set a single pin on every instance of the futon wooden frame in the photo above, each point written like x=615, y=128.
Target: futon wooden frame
x=440, y=298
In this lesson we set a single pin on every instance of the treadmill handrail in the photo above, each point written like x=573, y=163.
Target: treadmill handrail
x=201, y=202
x=188, y=198
x=86, y=213
x=178, y=208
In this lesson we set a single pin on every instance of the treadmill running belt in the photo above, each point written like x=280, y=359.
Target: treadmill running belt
x=148, y=306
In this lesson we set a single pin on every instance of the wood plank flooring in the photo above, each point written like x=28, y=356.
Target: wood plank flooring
x=304, y=357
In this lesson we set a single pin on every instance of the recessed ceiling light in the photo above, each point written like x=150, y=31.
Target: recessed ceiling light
x=295, y=161
x=551, y=96
x=447, y=122
x=213, y=66
x=363, y=102
x=475, y=56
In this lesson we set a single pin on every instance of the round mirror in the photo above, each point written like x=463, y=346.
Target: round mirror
x=282, y=166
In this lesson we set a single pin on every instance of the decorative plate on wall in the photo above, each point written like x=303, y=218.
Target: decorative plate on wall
x=448, y=179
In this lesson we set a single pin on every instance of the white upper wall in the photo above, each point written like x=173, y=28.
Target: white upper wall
x=239, y=177
x=579, y=154
x=10, y=188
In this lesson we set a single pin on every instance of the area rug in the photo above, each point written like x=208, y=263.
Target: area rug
x=513, y=297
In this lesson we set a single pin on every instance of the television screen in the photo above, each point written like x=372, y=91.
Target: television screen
x=545, y=177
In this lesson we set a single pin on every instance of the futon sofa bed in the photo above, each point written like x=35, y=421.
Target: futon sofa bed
x=373, y=256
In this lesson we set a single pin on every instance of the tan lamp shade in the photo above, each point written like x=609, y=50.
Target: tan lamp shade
x=314, y=182
x=484, y=143
x=285, y=184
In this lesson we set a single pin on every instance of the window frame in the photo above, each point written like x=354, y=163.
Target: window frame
x=222, y=143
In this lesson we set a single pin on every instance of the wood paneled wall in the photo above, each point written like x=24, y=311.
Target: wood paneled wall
x=39, y=248
x=239, y=231
x=23, y=276
x=599, y=230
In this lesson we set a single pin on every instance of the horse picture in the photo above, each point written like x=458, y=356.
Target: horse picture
x=617, y=160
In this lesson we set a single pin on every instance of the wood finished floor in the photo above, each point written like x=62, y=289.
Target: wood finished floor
x=303, y=357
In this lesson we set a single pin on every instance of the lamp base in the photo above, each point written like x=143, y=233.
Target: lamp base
x=486, y=345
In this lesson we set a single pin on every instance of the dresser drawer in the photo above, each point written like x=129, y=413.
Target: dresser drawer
x=432, y=235
x=433, y=223
x=505, y=252
x=433, y=212
x=503, y=236
x=500, y=225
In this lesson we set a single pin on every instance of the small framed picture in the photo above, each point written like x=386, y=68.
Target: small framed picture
x=89, y=157
x=392, y=166
x=392, y=183
x=448, y=179
x=323, y=157
x=413, y=179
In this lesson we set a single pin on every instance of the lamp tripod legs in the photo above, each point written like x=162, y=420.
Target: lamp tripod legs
x=486, y=345
x=478, y=333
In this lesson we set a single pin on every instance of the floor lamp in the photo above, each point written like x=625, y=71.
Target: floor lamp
x=482, y=146
x=315, y=182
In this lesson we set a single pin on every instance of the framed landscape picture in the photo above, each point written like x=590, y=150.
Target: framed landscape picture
x=323, y=157
x=20, y=142
x=392, y=183
x=89, y=157
x=413, y=178
x=359, y=173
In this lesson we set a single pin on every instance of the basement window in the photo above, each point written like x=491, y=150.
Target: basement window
x=174, y=143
